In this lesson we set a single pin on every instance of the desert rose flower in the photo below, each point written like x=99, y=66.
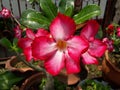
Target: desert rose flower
x=18, y=32
x=25, y=43
x=109, y=44
x=63, y=49
x=96, y=46
x=5, y=13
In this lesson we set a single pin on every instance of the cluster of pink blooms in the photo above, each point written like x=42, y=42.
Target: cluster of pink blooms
x=113, y=33
x=5, y=13
x=59, y=47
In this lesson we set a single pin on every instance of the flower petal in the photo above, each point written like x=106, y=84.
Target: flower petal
x=28, y=54
x=90, y=30
x=24, y=42
x=41, y=32
x=54, y=64
x=62, y=27
x=76, y=46
x=30, y=34
x=97, y=48
x=71, y=65
x=88, y=59
x=43, y=47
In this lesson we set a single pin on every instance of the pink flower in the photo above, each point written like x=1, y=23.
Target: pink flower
x=109, y=44
x=18, y=32
x=5, y=13
x=96, y=46
x=25, y=43
x=63, y=49
x=118, y=31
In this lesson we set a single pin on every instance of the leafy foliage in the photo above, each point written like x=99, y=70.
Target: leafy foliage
x=34, y=19
x=86, y=13
x=8, y=79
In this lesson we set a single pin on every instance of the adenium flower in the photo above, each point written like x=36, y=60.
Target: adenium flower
x=25, y=43
x=96, y=46
x=61, y=50
x=18, y=32
x=5, y=13
x=109, y=44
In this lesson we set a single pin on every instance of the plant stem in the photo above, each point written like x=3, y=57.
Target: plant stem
x=31, y=65
x=15, y=19
x=50, y=80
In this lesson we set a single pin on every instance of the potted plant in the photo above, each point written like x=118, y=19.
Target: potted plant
x=111, y=62
x=50, y=36
x=91, y=84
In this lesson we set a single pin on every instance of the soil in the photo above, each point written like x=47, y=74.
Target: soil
x=115, y=59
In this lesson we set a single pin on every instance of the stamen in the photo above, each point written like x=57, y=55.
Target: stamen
x=61, y=45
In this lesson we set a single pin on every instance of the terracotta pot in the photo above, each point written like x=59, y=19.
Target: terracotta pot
x=110, y=72
x=33, y=82
x=10, y=65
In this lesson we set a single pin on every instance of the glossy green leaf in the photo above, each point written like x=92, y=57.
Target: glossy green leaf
x=66, y=7
x=62, y=6
x=87, y=13
x=69, y=7
x=34, y=19
x=49, y=8
x=6, y=43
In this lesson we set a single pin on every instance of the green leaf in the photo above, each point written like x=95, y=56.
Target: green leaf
x=7, y=79
x=69, y=7
x=15, y=46
x=6, y=43
x=66, y=7
x=62, y=6
x=87, y=13
x=33, y=19
x=49, y=9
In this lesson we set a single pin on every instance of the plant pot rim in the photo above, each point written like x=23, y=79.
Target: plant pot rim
x=32, y=79
x=9, y=65
x=107, y=59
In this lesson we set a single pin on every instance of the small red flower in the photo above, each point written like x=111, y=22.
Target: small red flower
x=110, y=29
x=5, y=13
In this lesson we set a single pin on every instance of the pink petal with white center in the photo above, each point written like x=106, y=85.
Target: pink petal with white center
x=24, y=42
x=55, y=63
x=28, y=54
x=76, y=46
x=71, y=65
x=88, y=59
x=43, y=47
x=41, y=32
x=30, y=34
x=97, y=48
x=62, y=27
x=90, y=30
